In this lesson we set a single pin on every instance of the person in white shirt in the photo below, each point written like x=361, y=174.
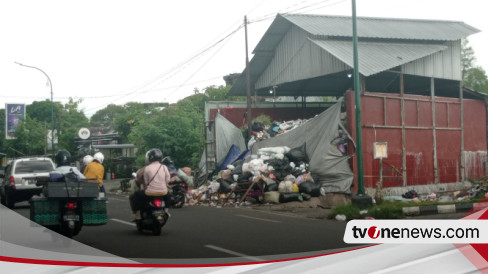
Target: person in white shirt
x=63, y=162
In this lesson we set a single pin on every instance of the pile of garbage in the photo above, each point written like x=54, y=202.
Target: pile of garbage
x=274, y=175
x=262, y=132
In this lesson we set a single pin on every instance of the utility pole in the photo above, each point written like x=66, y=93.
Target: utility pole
x=361, y=199
x=248, y=85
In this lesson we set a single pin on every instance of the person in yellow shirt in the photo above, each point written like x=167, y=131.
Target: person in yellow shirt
x=95, y=171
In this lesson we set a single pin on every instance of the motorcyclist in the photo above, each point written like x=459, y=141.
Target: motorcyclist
x=95, y=170
x=173, y=171
x=168, y=162
x=154, y=182
x=63, y=163
x=86, y=160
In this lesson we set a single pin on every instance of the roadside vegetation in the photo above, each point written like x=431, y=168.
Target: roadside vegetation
x=387, y=209
x=177, y=129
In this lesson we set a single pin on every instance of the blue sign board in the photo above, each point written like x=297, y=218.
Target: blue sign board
x=14, y=115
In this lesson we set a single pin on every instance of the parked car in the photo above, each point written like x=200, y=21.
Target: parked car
x=19, y=179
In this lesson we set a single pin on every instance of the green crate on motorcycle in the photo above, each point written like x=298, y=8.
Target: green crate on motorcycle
x=94, y=212
x=44, y=211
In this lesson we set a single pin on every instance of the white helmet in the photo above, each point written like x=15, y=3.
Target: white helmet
x=99, y=157
x=87, y=159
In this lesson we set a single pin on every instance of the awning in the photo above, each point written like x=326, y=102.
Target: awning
x=377, y=57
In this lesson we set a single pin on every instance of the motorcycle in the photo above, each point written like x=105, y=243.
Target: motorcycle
x=67, y=204
x=177, y=186
x=71, y=217
x=178, y=193
x=153, y=216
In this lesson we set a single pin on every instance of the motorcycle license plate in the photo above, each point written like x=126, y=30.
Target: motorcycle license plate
x=158, y=212
x=71, y=217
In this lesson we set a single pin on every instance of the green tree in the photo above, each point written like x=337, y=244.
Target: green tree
x=132, y=115
x=476, y=79
x=106, y=116
x=467, y=57
x=217, y=93
x=29, y=138
x=41, y=110
x=31, y=135
x=71, y=119
x=173, y=131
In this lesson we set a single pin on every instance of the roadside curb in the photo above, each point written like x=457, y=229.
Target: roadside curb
x=442, y=209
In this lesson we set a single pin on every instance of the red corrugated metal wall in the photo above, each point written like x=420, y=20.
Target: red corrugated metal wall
x=381, y=122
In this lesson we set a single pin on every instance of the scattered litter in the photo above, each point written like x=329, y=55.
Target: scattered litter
x=340, y=217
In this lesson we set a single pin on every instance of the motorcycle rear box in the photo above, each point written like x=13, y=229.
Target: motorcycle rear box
x=71, y=189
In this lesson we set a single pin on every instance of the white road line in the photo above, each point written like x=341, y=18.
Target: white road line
x=112, y=198
x=123, y=222
x=234, y=253
x=260, y=219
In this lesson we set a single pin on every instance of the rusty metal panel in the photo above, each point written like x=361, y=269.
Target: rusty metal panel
x=419, y=141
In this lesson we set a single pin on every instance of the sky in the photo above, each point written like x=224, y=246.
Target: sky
x=118, y=51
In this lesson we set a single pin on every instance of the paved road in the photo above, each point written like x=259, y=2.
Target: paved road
x=209, y=232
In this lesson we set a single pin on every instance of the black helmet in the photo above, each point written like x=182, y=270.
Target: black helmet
x=167, y=161
x=154, y=155
x=63, y=158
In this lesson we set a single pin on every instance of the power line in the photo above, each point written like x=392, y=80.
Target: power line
x=149, y=85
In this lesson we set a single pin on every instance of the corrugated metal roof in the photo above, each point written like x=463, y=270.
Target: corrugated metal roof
x=387, y=28
x=377, y=57
x=384, y=43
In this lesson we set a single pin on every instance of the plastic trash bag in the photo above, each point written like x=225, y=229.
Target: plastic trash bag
x=298, y=154
x=286, y=197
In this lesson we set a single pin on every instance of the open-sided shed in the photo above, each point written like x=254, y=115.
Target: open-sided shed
x=412, y=68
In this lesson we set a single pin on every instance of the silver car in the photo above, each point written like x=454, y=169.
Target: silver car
x=19, y=182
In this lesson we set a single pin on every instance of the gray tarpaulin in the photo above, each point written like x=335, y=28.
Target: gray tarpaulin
x=226, y=135
x=327, y=164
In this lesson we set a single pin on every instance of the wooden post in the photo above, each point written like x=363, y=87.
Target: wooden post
x=461, y=97
x=404, y=151
x=432, y=96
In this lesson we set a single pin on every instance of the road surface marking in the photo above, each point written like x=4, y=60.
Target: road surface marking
x=260, y=219
x=234, y=253
x=111, y=198
x=123, y=222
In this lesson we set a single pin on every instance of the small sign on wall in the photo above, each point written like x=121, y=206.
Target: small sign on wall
x=380, y=150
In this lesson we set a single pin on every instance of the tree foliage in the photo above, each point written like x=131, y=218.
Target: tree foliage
x=31, y=134
x=467, y=57
x=476, y=79
x=106, y=116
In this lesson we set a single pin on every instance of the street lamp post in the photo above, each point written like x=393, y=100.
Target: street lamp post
x=361, y=199
x=52, y=105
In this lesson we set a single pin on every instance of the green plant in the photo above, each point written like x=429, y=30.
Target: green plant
x=264, y=119
x=386, y=210
x=349, y=210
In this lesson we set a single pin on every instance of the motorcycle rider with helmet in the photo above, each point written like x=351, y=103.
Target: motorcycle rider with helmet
x=86, y=160
x=95, y=170
x=63, y=163
x=154, y=182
